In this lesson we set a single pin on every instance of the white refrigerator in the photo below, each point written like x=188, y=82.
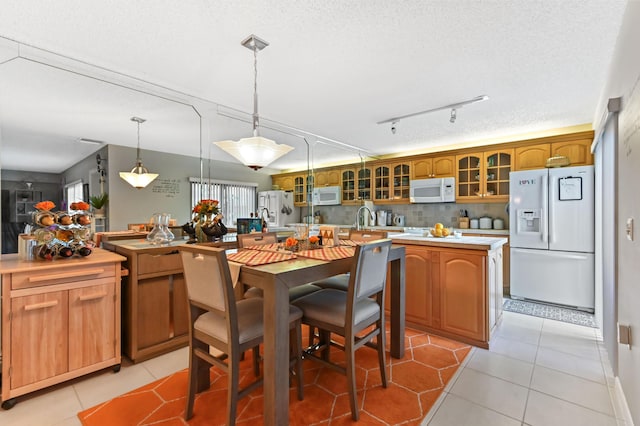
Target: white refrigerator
x=279, y=204
x=551, y=221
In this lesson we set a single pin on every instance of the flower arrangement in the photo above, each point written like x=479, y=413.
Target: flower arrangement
x=313, y=239
x=206, y=207
x=45, y=205
x=291, y=244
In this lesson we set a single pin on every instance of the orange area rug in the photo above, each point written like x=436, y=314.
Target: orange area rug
x=415, y=382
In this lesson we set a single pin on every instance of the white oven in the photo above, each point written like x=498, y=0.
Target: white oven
x=438, y=190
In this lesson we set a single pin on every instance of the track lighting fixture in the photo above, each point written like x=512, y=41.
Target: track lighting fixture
x=395, y=120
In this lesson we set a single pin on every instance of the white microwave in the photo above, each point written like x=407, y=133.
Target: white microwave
x=438, y=190
x=326, y=196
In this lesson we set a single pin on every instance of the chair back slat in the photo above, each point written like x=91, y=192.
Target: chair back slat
x=361, y=235
x=369, y=273
x=257, y=239
x=206, y=274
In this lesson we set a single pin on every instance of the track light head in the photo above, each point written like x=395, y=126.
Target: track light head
x=393, y=127
x=453, y=116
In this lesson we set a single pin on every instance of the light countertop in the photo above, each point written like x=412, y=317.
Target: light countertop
x=468, y=243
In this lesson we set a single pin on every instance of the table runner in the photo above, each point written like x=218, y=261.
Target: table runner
x=351, y=243
x=332, y=253
x=255, y=258
x=265, y=247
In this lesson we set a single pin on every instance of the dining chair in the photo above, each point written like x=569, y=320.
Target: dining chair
x=217, y=320
x=247, y=240
x=341, y=282
x=357, y=315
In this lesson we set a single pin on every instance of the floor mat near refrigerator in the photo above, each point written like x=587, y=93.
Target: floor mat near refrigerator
x=550, y=312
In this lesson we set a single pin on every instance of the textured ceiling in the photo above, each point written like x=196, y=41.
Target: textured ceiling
x=333, y=68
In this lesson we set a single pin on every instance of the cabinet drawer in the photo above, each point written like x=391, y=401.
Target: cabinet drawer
x=44, y=276
x=152, y=263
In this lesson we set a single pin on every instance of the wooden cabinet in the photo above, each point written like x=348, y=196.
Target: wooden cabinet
x=391, y=183
x=348, y=187
x=532, y=156
x=535, y=156
x=154, y=301
x=302, y=189
x=364, y=180
x=463, y=294
x=421, y=269
x=329, y=177
x=284, y=182
x=578, y=152
x=456, y=293
x=60, y=320
x=483, y=176
x=433, y=167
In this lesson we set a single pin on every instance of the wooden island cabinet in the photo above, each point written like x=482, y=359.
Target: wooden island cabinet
x=154, y=299
x=60, y=320
x=454, y=286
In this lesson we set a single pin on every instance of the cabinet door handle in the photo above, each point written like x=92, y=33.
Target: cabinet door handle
x=41, y=305
x=94, y=296
x=66, y=275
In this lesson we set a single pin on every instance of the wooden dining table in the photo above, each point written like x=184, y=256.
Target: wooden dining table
x=275, y=279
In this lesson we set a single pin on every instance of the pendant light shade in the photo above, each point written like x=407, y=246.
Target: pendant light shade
x=254, y=152
x=139, y=177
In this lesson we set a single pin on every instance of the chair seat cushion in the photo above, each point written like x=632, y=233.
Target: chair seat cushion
x=250, y=321
x=330, y=306
x=339, y=282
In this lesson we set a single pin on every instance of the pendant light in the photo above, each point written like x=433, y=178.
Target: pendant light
x=139, y=177
x=256, y=151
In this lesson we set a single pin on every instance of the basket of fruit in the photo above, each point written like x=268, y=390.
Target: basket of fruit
x=439, y=231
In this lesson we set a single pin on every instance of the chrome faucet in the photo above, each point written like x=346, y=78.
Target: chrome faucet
x=358, y=216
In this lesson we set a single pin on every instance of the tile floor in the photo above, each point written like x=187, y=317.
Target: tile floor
x=537, y=372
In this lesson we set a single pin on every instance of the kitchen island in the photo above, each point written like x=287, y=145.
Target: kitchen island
x=453, y=285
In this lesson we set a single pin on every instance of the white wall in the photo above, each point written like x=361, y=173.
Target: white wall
x=169, y=193
x=624, y=81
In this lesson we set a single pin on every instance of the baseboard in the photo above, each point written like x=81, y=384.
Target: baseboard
x=620, y=404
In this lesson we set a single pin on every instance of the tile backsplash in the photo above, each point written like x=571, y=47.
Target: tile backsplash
x=420, y=215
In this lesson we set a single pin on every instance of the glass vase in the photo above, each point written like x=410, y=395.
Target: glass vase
x=160, y=234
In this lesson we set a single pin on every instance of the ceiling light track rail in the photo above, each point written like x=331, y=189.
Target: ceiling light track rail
x=450, y=106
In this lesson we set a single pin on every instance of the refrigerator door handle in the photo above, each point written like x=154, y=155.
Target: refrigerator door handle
x=554, y=197
x=544, y=202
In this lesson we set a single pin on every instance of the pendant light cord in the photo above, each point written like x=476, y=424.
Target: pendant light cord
x=138, y=160
x=255, y=90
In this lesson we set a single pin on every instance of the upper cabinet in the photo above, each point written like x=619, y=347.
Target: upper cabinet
x=483, y=176
x=329, y=177
x=482, y=173
x=433, y=167
x=391, y=182
x=364, y=179
x=532, y=156
x=284, y=182
x=578, y=152
x=302, y=189
x=535, y=156
x=349, y=186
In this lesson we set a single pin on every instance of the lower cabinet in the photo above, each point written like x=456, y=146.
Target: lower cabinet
x=154, y=300
x=456, y=293
x=60, y=320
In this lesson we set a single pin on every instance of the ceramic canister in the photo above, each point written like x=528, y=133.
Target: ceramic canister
x=474, y=224
x=486, y=223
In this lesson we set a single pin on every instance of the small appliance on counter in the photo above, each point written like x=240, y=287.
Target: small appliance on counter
x=485, y=222
x=398, y=220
